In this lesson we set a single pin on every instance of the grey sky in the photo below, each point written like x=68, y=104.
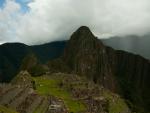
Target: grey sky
x=51, y=20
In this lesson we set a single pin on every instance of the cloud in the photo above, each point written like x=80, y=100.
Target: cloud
x=51, y=20
x=7, y=19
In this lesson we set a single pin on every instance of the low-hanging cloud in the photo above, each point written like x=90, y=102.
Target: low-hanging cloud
x=52, y=20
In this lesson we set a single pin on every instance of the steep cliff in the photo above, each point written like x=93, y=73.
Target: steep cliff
x=133, y=72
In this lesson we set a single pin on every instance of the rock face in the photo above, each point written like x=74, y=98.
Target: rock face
x=118, y=71
x=86, y=55
x=23, y=79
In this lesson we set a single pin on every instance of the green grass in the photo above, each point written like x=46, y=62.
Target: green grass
x=49, y=86
x=116, y=103
x=6, y=110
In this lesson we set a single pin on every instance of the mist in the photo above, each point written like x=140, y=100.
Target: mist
x=53, y=20
x=134, y=44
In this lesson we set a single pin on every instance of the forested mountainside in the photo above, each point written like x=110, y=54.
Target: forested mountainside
x=12, y=55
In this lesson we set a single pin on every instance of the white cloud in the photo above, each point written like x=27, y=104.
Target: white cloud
x=51, y=20
x=7, y=21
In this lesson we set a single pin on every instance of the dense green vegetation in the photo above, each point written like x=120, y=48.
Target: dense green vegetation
x=51, y=86
x=12, y=55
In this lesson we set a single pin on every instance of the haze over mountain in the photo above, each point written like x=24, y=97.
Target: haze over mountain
x=135, y=44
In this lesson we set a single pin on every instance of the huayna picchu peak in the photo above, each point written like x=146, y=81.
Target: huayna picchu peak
x=83, y=33
x=83, y=76
x=86, y=55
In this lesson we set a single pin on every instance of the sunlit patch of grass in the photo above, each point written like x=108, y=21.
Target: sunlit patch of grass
x=50, y=86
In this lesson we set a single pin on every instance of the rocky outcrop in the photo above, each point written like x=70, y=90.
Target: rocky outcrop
x=23, y=79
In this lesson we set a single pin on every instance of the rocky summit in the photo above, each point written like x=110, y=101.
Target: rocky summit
x=87, y=56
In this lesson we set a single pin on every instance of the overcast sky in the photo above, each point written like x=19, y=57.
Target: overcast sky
x=41, y=21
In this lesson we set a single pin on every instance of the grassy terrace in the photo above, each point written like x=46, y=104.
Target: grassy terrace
x=116, y=103
x=6, y=110
x=50, y=86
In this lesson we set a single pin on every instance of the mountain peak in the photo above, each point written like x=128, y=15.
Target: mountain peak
x=82, y=33
x=83, y=28
x=86, y=55
x=82, y=40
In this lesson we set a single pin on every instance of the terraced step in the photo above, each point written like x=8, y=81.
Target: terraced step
x=10, y=95
x=43, y=106
x=5, y=89
x=33, y=106
x=28, y=101
x=20, y=98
